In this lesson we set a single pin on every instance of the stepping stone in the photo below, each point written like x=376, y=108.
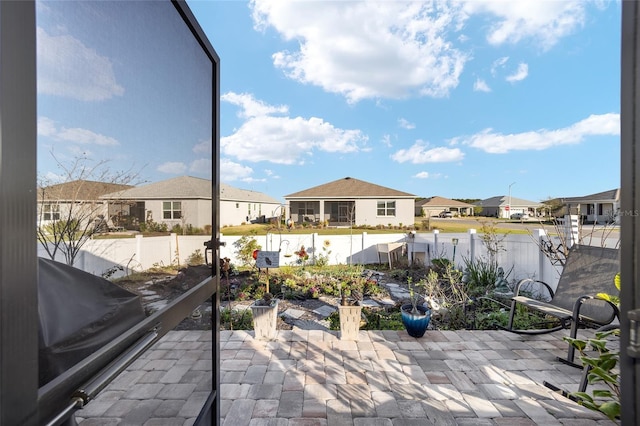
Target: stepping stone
x=392, y=285
x=236, y=307
x=401, y=294
x=370, y=303
x=387, y=302
x=324, y=311
x=311, y=325
x=293, y=313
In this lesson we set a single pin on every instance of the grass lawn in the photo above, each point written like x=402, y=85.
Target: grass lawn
x=444, y=226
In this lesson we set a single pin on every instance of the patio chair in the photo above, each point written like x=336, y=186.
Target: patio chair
x=588, y=271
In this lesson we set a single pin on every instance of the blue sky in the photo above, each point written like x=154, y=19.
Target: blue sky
x=456, y=99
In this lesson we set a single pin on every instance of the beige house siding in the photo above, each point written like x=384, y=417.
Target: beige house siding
x=369, y=208
x=599, y=208
x=196, y=213
x=234, y=213
x=195, y=196
x=350, y=201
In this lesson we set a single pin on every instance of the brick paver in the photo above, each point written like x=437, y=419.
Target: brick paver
x=311, y=377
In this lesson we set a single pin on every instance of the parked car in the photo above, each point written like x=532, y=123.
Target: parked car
x=520, y=216
x=445, y=214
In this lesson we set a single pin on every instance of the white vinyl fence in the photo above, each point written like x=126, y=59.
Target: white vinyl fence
x=518, y=254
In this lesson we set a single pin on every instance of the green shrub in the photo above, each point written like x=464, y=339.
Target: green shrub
x=232, y=319
x=245, y=247
x=195, y=258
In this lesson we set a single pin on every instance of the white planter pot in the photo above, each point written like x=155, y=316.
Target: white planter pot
x=350, y=317
x=265, y=319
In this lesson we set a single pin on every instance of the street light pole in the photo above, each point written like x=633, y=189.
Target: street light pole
x=509, y=202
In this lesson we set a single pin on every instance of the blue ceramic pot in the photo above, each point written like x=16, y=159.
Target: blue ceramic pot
x=416, y=325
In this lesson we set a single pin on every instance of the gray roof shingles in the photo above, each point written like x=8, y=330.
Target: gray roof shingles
x=349, y=187
x=188, y=187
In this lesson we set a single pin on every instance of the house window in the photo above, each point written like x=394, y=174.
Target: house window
x=51, y=211
x=386, y=208
x=237, y=205
x=171, y=209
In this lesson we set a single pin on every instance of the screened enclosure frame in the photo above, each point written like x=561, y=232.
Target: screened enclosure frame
x=22, y=401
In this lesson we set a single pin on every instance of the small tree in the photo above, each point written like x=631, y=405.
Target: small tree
x=245, y=247
x=492, y=241
x=70, y=211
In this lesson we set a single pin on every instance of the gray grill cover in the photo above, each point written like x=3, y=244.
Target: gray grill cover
x=79, y=313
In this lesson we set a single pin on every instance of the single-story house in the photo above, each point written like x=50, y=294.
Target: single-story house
x=186, y=200
x=80, y=200
x=503, y=206
x=239, y=206
x=600, y=208
x=435, y=205
x=354, y=202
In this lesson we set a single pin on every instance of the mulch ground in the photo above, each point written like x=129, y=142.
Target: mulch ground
x=168, y=287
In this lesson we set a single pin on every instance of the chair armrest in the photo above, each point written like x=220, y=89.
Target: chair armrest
x=516, y=290
x=577, y=306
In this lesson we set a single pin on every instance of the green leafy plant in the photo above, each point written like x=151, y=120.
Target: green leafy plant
x=602, y=370
x=245, y=246
x=322, y=258
x=414, y=296
x=231, y=319
x=195, y=258
x=609, y=297
x=481, y=275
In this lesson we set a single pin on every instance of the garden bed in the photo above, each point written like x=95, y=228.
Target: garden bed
x=303, y=291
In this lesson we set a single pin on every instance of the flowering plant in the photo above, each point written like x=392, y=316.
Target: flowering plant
x=302, y=255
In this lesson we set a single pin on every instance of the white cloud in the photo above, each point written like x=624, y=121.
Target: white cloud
x=52, y=178
x=201, y=166
x=386, y=141
x=288, y=140
x=250, y=107
x=203, y=147
x=68, y=68
x=48, y=128
x=231, y=171
x=520, y=74
x=408, y=44
x=481, y=86
x=498, y=64
x=84, y=136
x=497, y=143
x=542, y=22
x=172, y=167
x=405, y=124
x=421, y=175
x=420, y=153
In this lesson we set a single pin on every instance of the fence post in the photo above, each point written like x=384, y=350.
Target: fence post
x=172, y=237
x=571, y=229
x=138, y=253
x=539, y=234
x=314, y=238
x=472, y=245
x=436, y=232
x=364, y=235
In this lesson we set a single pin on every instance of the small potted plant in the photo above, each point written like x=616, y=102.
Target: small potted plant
x=415, y=317
x=350, y=312
x=265, y=317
